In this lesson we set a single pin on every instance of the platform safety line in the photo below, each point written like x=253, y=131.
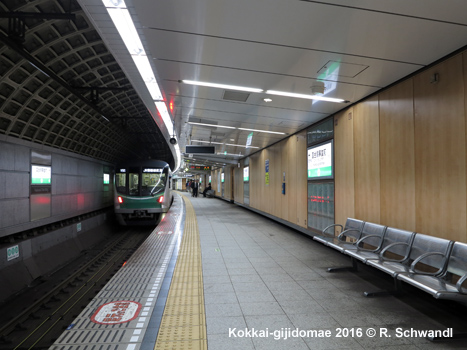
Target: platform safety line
x=183, y=324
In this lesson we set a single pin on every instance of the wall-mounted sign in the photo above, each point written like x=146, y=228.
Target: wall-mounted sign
x=41, y=175
x=222, y=177
x=246, y=174
x=12, y=253
x=106, y=179
x=320, y=161
x=266, y=169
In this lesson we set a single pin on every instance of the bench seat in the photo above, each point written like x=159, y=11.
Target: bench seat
x=450, y=284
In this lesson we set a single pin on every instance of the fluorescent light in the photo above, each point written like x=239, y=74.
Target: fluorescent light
x=267, y=100
x=214, y=143
x=213, y=125
x=232, y=127
x=269, y=132
x=162, y=108
x=309, y=97
x=229, y=144
x=221, y=86
x=127, y=30
x=228, y=154
x=145, y=70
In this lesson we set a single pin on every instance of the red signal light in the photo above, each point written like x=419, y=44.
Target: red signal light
x=161, y=199
x=120, y=199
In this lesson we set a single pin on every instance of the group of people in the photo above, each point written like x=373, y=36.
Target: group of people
x=193, y=187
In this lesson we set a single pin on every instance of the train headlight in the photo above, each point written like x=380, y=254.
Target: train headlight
x=161, y=199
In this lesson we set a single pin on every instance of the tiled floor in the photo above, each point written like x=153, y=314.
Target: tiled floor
x=264, y=277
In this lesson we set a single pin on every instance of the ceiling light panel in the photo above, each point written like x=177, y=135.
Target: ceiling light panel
x=309, y=97
x=221, y=86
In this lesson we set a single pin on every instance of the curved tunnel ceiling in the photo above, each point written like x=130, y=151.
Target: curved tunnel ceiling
x=61, y=87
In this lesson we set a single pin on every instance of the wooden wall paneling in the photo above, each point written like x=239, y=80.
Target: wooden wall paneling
x=367, y=176
x=289, y=167
x=238, y=195
x=397, y=156
x=440, y=155
x=301, y=183
x=344, y=167
x=275, y=202
x=256, y=176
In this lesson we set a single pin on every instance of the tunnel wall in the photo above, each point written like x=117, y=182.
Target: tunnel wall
x=77, y=186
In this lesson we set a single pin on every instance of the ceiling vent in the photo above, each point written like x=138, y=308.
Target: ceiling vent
x=237, y=96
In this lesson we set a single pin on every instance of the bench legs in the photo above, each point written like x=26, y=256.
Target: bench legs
x=354, y=267
x=380, y=293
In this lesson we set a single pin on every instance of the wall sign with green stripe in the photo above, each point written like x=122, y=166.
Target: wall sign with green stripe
x=41, y=175
x=320, y=161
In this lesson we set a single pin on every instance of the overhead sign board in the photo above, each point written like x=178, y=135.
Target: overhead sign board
x=200, y=149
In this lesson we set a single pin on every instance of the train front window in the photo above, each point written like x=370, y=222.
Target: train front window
x=153, y=181
x=120, y=182
x=133, y=182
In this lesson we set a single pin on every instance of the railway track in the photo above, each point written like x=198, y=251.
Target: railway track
x=39, y=324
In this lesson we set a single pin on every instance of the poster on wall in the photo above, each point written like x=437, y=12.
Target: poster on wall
x=266, y=169
x=246, y=174
x=320, y=160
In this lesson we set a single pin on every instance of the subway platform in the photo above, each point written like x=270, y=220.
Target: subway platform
x=232, y=279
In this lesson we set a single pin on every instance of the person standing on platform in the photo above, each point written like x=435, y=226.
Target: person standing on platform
x=195, y=189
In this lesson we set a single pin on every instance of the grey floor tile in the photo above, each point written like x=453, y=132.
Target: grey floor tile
x=220, y=298
x=250, y=286
x=222, y=325
x=224, y=342
x=223, y=310
x=218, y=288
x=261, y=308
x=252, y=297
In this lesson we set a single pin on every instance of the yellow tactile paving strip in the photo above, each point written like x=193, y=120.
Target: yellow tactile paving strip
x=183, y=324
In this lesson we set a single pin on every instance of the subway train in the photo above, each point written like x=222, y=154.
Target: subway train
x=142, y=192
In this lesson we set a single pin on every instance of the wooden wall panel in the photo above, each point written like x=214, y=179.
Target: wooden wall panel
x=238, y=184
x=275, y=199
x=256, y=180
x=397, y=156
x=366, y=143
x=440, y=151
x=301, y=185
x=289, y=167
x=344, y=182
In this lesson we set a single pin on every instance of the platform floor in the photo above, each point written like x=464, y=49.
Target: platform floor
x=263, y=280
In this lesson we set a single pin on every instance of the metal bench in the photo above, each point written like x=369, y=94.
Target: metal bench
x=446, y=283
x=395, y=242
x=424, y=255
x=370, y=237
x=350, y=232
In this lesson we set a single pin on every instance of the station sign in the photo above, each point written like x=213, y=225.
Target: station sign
x=12, y=253
x=116, y=312
x=41, y=175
